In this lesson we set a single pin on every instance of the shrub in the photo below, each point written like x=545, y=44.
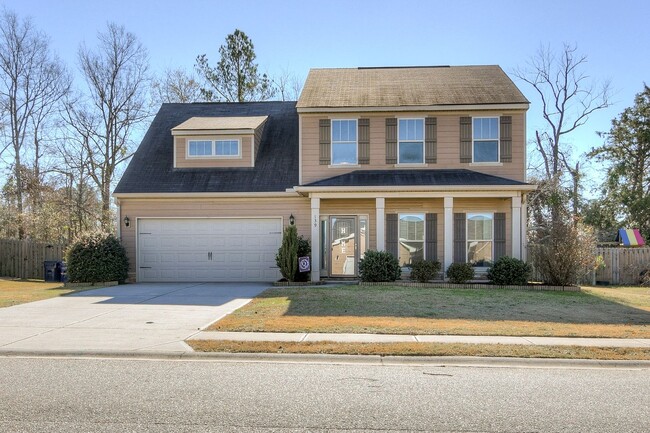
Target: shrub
x=508, y=271
x=95, y=257
x=287, y=256
x=459, y=273
x=379, y=266
x=424, y=270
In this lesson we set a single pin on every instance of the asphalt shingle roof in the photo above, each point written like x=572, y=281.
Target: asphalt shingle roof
x=276, y=167
x=405, y=178
x=408, y=86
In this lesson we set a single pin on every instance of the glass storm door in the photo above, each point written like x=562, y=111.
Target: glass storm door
x=343, y=246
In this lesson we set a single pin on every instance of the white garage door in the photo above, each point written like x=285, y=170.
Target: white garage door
x=208, y=249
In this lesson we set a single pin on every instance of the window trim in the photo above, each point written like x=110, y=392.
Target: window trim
x=412, y=164
x=474, y=140
x=468, y=240
x=213, y=148
x=424, y=232
x=356, y=144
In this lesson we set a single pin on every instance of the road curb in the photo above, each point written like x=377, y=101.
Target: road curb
x=429, y=361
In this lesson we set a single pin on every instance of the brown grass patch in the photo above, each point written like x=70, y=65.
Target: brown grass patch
x=423, y=349
x=596, y=312
x=15, y=291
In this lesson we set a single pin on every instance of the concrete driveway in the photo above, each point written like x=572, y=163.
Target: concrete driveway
x=133, y=317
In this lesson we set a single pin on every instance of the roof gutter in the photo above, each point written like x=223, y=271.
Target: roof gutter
x=194, y=195
x=414, y=188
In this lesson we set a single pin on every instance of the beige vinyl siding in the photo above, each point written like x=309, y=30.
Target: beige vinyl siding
x=183, y=161
x=258, y=138
x=471, y=205
x=209, y=208
x=354, y=207
x=448, y=144
x=422, y=206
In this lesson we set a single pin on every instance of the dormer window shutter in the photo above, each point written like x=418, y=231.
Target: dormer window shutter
x=465, y=140
x=506, y=139
x=431, y=140
x=391, y=140
x=364, y=141
x=325, y=142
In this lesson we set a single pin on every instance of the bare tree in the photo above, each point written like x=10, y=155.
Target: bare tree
x=568, y=98
x=116, y=74
x=32, y=83
x=176, y=85
x=288, y=85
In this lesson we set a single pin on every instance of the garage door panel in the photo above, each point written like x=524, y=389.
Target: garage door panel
x=177, y=249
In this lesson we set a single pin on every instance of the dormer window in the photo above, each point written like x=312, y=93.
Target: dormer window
x=226, y=147
x=213, y=148
x=200, y=148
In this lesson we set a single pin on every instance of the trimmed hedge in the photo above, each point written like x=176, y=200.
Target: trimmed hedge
x=96, y=257
x=378, y=266
x=508, y=271
x=459, y=273
x=424, y=270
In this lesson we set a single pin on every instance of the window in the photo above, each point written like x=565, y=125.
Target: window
x=480, y=238
x=411, y=238
x=344, y=142
x=411, y=141
x=200, y=148
x=226, y=148
x=218, y=148
x=486, y=139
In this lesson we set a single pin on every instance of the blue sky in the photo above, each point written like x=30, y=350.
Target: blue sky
x=297, y=35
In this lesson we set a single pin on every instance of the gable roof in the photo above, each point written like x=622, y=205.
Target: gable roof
x=408, y=87
x=210, y=123
x=406, y=178
x=276, y=166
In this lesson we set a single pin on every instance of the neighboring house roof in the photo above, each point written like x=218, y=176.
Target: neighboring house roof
x=231, y=123
x=276, y=166
x=408, y=87
x=405, y=178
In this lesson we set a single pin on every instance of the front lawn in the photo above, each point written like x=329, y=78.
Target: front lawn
x=622, y=312
x=14, y=292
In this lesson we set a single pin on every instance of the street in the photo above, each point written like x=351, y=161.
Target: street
x=140, y=395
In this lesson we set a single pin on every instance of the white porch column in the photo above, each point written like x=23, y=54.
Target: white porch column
x=315, y=239
x=449, y=233
x=380, y=205
x=524, y=230
x=516, y=227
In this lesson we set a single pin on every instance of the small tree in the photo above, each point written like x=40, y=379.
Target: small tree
x=287, y=257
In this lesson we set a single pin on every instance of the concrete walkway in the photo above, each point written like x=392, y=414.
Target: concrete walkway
x=133, y=317
x=391, y=338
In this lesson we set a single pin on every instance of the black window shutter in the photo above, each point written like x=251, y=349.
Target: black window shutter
x=364, y=141
x=325, y=142
x=506, y=139
x=460, y=243
x=431, y=230
x=391, y=140
x=499, y=235
x=465, y=140
x=431, y=140
x=392, y=235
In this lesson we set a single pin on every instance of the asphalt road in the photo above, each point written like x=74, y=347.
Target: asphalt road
x=113, y=395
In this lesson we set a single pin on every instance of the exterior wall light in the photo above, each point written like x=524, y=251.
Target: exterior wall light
x=292, y=220
x=127, y=221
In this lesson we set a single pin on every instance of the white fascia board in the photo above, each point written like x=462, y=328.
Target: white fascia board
x=465, y=107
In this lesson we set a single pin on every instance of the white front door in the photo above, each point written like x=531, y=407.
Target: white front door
x=208, y=249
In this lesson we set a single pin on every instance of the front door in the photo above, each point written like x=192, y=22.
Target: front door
x=343, y=246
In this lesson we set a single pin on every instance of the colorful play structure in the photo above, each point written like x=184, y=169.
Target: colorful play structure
x=630, y=238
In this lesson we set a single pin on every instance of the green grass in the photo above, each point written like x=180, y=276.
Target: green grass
x=15, y=291
x=596, y=312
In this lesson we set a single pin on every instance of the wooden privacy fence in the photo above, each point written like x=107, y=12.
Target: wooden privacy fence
x=24, y=258
x=622, y=265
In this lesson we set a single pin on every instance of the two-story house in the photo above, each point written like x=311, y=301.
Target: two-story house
x=424, y=162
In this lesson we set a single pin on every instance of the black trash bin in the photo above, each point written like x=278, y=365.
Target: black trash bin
x=50, y=271
x=62, y=270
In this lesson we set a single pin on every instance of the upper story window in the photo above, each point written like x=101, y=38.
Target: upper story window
x=480, y=237
x=485, y=139
x=410, y=146
x=344, y=142
x=213, y=148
